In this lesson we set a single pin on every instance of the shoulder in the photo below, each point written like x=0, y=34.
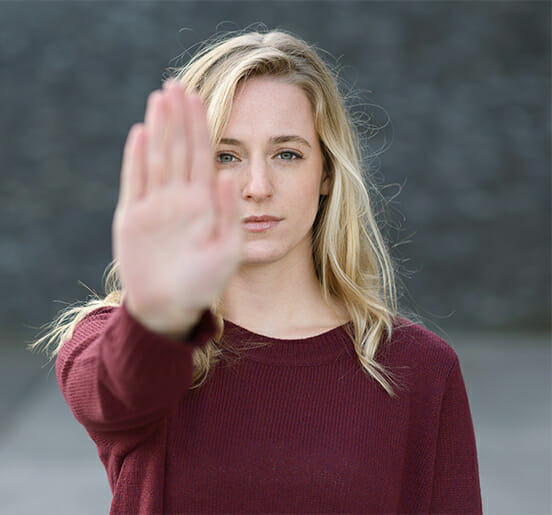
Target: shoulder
x=102, y=313
x=86, y=326
x=418, y=339
x=96, y=319
x=415, y=350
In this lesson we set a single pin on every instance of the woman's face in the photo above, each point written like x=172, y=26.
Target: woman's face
x=271, y=145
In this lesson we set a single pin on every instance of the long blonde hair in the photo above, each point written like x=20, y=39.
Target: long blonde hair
x=350, y=256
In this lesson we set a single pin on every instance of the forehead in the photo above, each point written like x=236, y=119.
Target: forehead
x=271, y=106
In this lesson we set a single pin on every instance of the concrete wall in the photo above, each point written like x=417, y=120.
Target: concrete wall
x=466, y=86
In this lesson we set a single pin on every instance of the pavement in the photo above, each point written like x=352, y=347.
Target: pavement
x=48, y=464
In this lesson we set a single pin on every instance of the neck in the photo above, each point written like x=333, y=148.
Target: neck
x=279, y=297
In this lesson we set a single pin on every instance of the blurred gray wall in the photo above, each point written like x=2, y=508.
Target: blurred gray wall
x=466, y=86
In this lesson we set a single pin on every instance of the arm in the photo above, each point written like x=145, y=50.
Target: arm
x=177, y=243
x=456, y=476
x=119, y=377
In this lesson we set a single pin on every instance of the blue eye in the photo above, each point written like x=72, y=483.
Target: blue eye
x=288, y=155
x=224, y=157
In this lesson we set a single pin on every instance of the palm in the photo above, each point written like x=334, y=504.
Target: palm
x=176, y=232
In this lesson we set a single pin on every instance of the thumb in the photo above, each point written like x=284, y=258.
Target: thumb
x=226, y=204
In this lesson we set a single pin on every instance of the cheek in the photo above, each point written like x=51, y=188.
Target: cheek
x=304, y=201
x=308, y=183
x=305, y=194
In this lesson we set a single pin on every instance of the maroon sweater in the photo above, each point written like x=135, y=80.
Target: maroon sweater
x=294, y=426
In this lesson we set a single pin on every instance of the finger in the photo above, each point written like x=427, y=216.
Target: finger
x=202, y=164
x=133, y=169
x=156, y=155
x=179, y=136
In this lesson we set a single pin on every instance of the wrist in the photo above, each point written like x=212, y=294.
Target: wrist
x=176, y=326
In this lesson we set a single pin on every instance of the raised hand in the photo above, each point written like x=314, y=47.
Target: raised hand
x=176, y=230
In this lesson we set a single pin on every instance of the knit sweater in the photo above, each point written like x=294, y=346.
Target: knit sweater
x=279, y=426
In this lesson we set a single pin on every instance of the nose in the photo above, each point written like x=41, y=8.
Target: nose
x=258, y=185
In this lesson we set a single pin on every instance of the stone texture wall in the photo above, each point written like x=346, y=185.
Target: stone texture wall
x=461, y=89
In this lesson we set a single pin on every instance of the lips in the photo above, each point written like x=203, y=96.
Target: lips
x=263, y=218
x=260, y=223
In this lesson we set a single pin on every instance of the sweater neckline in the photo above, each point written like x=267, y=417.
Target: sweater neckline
x=319, y=349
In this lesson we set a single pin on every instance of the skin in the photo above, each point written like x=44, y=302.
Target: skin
x=275, y=290
x=274, y=176
x=176, y=229
x=180, y=209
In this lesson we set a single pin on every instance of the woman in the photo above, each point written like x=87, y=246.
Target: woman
x=252, y=359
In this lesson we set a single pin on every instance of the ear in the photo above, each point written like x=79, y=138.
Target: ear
x=325, y=184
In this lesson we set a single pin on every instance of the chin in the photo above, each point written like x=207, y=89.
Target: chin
x=258, y=255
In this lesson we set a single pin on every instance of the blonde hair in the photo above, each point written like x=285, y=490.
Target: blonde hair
x=350, y=256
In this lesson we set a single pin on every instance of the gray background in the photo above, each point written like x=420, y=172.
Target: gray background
x=462, y=93
x=465, y=86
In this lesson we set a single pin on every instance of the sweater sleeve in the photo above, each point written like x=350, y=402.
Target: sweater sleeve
x=120, y=379
x=456, y=486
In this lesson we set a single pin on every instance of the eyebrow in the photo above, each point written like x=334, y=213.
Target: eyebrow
x=275, y=140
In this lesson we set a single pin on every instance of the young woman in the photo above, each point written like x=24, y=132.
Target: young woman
x=248, y=356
